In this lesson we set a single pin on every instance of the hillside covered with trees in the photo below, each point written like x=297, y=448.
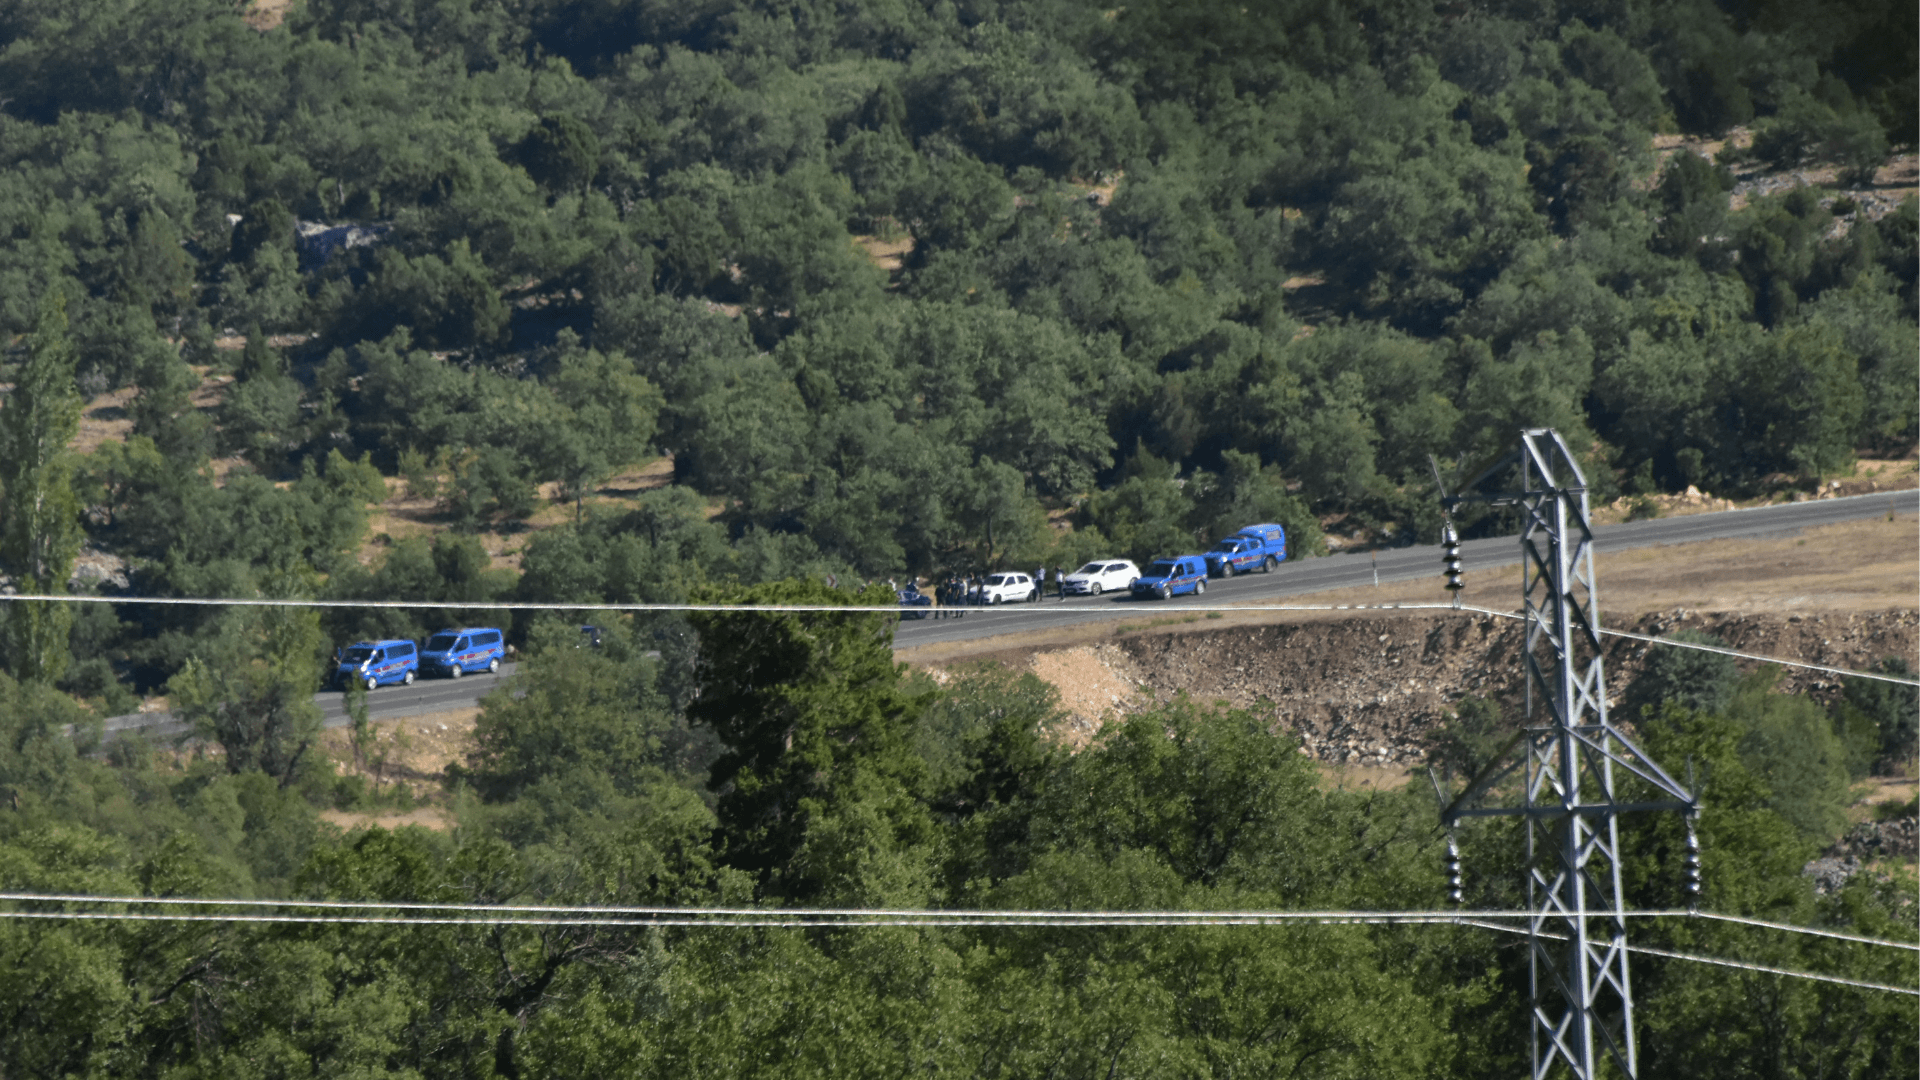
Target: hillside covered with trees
x=898, y=288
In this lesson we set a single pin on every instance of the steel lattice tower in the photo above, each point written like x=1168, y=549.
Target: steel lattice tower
x=1582, y=997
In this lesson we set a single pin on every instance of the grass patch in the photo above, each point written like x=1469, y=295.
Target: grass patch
x=1170, y=620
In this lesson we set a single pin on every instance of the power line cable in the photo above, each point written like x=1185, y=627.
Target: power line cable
x=1719, y=962
x=842, y=916
x=530, y=605
x=1835, y=934
x=825, y=915
x=773, y=920
x=516, y=605
x=1744, y=966
x=1698, y=647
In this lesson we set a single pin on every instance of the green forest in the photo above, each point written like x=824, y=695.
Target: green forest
x=803, y=767
x=894, y=289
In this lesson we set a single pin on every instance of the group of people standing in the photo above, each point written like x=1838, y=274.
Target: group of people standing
x=1059, y=581
x=957, y=591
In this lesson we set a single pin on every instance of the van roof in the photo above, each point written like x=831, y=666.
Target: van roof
x=380, y=644
x=464, y=630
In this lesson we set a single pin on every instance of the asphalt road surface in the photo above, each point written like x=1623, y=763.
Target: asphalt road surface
x=386, y=703
x=1399, y=564
x=1289, y=579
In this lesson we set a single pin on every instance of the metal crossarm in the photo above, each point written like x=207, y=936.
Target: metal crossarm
x=1581, y=987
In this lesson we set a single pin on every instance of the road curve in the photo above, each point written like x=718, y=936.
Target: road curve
x=1289, y=579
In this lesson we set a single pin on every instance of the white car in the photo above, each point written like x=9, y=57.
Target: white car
x=1007, y=587
x=1106, y=575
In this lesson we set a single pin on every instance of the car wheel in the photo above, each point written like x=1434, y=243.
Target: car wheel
x=1199, y=588
x=407, y=679
x=493, y=666
x=455, y=671
x=372, y=681
x=1094, y=589
x=1226, y=568
x=1166, y=592
x=1266, y=567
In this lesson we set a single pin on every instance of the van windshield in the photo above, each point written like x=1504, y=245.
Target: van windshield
x=357, y=655
x=1164, y=569
x=441, y=642
x=1227, y=546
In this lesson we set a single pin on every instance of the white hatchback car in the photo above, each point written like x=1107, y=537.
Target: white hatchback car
x=1107, y=575
x=1006, y=588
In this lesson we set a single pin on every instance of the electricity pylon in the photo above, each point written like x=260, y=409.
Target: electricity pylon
x=1582, y=997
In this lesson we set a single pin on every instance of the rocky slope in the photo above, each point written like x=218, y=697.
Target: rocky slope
x=1372, y=690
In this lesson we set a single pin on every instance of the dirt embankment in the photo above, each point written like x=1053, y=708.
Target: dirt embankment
x=1372, y=690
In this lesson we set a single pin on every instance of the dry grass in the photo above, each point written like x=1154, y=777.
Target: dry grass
x=1866, y=565
x=1871, y=565
x=1801, y=574
x=264, y=15
x=1099, y=192
x=412, y=753
x=1665, y=146
x=888, y=254
x=104, y=420
x=426, y=817
x=402, y=516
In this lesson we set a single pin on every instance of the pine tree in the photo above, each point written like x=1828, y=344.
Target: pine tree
x=40, y=529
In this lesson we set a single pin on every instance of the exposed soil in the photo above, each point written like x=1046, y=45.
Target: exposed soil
x=1372, y=688
x=264, y=15
x=410, y=753
x=104, y=420
x=404, y=515
x=1369, y=687
x=889, y=253
x=426, y=817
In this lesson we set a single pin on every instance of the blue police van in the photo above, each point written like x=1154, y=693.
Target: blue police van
x=454, y=653
x=1170, y=577
x=376, y=663
x=1260, y=547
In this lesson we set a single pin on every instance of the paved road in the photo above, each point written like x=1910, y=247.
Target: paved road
x=1289, y=579
x=1402, y=564
x=386, y=703
x=424, y=696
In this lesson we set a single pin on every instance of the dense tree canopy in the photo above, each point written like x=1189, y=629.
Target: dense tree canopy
x=523, y=242
x=881, y=288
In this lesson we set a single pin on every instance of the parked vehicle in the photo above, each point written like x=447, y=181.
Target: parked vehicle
x=1256, y=546
x=590, y=637
x=454, y=653
x=1106, y=575
x=1007, y=587
x=376, y=663
x=917, y=603
x=1168, y=578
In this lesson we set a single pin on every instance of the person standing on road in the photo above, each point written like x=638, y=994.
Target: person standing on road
x=1060, y=581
